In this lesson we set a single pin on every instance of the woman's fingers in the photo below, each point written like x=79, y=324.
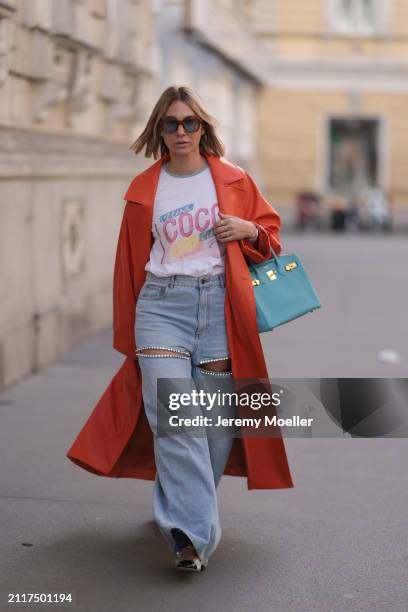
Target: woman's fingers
x=221, y=231
x=221, y=225
x=225, y=236
x=232, y=228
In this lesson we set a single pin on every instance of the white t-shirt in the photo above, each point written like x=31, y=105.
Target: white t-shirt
x=184, y=213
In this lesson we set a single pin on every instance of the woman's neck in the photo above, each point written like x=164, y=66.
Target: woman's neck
x=181, y=165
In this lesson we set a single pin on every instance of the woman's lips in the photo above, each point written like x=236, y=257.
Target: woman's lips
x=181, y=143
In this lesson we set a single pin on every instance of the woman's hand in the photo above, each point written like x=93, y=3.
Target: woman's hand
x=234, y=228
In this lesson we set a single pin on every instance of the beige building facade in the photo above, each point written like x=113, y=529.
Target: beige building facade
x=332, y=117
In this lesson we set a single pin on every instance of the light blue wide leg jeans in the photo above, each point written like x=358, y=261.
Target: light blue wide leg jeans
x=185, y=314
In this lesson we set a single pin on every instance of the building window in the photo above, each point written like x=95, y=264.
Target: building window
x=356, y=16
x=353, y=154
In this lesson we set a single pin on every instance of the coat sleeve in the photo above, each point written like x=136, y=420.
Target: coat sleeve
x=124, y=297
x=267, y=220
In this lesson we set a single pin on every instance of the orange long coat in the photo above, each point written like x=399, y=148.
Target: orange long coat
x=116, y=439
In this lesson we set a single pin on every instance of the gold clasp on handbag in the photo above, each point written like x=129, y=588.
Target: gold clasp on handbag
x=291, y=265
x=256, y=281
x=271, y=274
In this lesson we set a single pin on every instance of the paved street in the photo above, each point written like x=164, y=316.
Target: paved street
x=335, y=542
x=362, y=282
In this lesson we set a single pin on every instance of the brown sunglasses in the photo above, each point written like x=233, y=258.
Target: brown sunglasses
x=190, y=124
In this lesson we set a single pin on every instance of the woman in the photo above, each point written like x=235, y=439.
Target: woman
x=181, y=284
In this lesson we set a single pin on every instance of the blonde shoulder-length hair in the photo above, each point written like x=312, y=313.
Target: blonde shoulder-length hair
x=150, y=138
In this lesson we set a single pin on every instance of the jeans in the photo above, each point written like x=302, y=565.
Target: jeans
x=184, y=314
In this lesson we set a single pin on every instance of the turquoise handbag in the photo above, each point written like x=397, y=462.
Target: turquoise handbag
x=282, y=291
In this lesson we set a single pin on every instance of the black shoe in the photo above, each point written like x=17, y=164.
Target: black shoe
x=187, y=559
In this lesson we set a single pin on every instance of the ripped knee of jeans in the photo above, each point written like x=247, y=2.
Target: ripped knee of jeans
x=162, y=351
x=216, y=367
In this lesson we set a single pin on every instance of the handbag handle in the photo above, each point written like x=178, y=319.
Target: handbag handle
x=275, y=256
x=252, y=266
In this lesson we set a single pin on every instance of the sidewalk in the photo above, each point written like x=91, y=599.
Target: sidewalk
x=333, y=542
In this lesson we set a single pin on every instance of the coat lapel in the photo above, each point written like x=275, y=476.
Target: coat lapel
x=225, y=175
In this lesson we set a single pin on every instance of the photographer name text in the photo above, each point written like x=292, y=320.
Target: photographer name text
x=266, y=421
